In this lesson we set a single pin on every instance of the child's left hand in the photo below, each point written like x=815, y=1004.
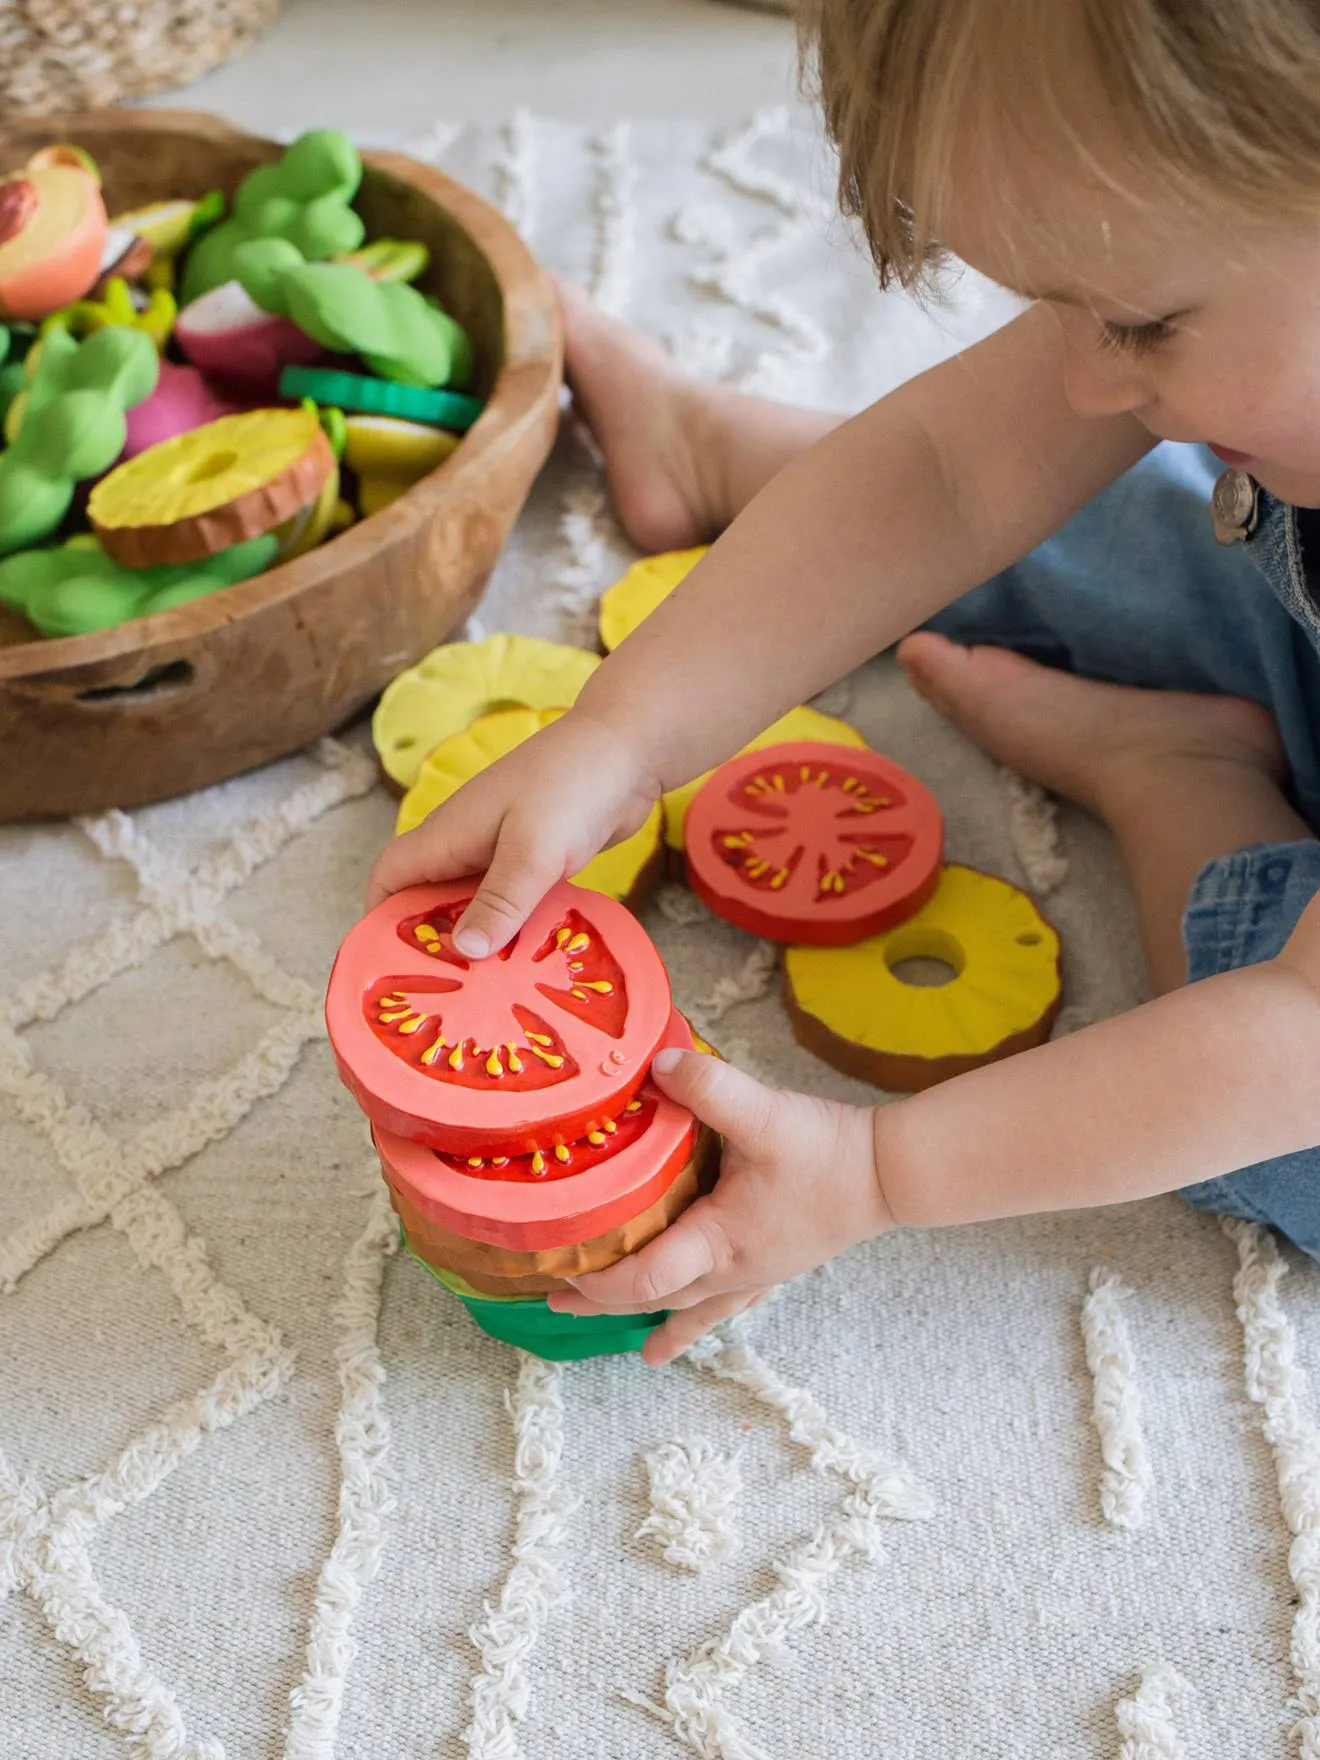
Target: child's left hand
x=798, y=1184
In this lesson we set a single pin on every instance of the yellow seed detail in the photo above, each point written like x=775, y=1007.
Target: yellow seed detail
x=425, y=932
x=415, y=1025
x=432, y=1052
x=540, y=1039
x=515, y=1062
x=548, y=1057
x=456, y=1057
x=561, y=1152
x=602, y=986
x=608, y=1124
x=579, y=944
x=779, y=879
x=475, y=1161
x=538, y=1162
x=493, y=1065
x=633, y=1106
x=596, y=1138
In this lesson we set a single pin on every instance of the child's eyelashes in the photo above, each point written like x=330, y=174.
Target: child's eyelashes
x=1134, y=339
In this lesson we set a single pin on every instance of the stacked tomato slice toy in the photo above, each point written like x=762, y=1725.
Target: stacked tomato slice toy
x=519, y=1135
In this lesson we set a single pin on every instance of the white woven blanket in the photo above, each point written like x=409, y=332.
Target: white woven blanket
x=265, y=1493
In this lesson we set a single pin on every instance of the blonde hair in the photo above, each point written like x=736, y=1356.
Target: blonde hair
x=1218, y=100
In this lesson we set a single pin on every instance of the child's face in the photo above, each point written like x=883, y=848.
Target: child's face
x=1205, y=331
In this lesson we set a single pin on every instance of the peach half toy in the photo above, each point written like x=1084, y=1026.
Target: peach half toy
x=815, y=844
x=852, y=1008
x=52, y=236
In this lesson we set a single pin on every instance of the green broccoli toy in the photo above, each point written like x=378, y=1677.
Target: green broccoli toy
x=72, y=426
x=304, y=198
x=76, y=588
x=400, y=333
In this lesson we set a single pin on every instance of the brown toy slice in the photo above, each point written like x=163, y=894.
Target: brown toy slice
x=213, y=487
x=851, y=1009
x=501, y=1271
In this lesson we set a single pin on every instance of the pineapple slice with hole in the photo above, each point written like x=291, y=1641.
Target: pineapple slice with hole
x=456, y=683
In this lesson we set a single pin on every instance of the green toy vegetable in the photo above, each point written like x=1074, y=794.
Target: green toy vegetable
x=73, y=426
x=398, y=332
x=381, y=397
x=76, y=588
x=304, y=198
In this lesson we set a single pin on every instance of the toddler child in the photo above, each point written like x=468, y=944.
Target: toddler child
x=1147, y=174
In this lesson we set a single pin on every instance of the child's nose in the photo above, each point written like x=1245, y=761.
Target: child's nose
x=1101, y=387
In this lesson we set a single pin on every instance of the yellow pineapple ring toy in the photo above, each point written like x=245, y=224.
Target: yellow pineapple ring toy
x=850, y=1008
x=454, y=684
x=632, y=599
x=798, y=724
x=626, y=872
x=217, y=485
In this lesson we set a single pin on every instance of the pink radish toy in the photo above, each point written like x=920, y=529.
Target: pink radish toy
x=226, y=333
x=182, y=400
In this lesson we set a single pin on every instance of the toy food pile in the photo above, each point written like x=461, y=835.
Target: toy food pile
x=807, y=837
x=520, y=1138
x=189, y=397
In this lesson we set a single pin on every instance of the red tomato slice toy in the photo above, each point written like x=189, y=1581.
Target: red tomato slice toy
x=553, y=1197
x=818, y=845
x=529, y=1049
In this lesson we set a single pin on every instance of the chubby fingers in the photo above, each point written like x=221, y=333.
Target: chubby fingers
x=740, y=1108
x=682, y=1330
x=674, y=1271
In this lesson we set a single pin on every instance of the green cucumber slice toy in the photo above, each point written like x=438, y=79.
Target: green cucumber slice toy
x=381, y=397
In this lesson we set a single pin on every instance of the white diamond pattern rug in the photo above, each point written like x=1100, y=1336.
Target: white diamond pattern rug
x=1021, y=1490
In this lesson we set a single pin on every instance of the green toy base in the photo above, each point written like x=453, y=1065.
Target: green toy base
x=529, y=1324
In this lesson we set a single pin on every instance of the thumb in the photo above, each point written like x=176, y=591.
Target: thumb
x=739, y=1108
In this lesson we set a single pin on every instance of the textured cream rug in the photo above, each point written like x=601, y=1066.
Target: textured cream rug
x=1007, y=1491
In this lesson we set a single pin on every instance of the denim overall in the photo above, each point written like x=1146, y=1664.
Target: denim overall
x=1137, y=589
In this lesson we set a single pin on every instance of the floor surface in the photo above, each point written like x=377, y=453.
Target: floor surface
x=403, y=65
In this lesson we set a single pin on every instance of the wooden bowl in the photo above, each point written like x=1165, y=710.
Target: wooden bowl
x=252, y=672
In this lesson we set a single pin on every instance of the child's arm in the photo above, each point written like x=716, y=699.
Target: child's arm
x=891, y=516
x=1206, y=1080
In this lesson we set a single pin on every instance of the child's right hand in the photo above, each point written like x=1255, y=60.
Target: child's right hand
x=534, y=818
